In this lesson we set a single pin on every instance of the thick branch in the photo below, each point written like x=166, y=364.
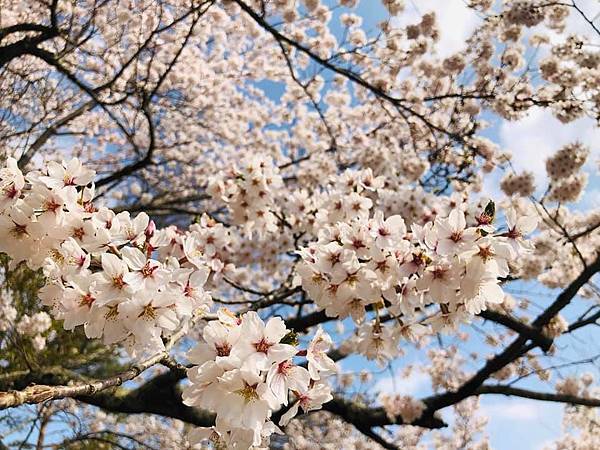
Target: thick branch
x=363, y=417
x=543, y=396
x=522, y=328
x=568, y=294
x=38, y=393
x=24, y=46
x=517, y=349
x=41, y=392
x=51, y=130
x=160, y=396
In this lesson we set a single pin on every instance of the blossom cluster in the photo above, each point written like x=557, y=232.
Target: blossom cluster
x=35, y=326
x=522, y=184
x=126, y=281
x=118, y=276
x=566, y=161
x=249, y=192
x=404, y=406
x=327, y=432
x=244, y=371
x=8, y=313
x=372, y=263
x=563, y=168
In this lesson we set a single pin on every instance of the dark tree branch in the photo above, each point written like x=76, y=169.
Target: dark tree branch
x=52, y=130
x=24, y=46
x=522, y=328
x=517, y=349
x=593, y=319
x=543, y=396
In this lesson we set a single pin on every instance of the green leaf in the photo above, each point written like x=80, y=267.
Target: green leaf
x=490, y=210
x=291, y=338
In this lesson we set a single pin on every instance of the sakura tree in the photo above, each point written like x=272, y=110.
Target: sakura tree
x=222, y=222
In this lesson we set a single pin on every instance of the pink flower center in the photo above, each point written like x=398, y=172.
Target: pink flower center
x=383, y=232
x=513, y=233
x=456, y=236
x=439, y=273
x=284, y=367
x=51, y=205
x=262, y=346
x=81, y=260
x=11, y=191
x=485, y=253
x=87, y=300
x=358, y=243
x=223, y=349
x=79, y=233
x=148, y=270
x=118, y=282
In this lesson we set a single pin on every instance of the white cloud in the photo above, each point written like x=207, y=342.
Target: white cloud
x=576, y=23
x=413, y=385
x=514, y=410
x=521, y=423
x=546, y=444
x=538, y=135
x=455, y=21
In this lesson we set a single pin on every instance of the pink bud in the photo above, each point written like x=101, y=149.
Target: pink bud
x=150, y=229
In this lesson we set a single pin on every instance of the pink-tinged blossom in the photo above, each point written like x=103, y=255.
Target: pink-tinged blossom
x=388, y=231
x=219, y=340
x=12, y=183
x=309, y=400
x=148, y=313
x=247, y=401
x=261, y=347
x=66, y=174
x=318, y=361
x=111, y=282
x=452, y=235
x=144, y=274
x=518, y=228
x=285, y=376
x=480, y=288
x=130, y=230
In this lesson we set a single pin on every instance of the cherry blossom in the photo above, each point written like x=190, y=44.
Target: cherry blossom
x=244, y=373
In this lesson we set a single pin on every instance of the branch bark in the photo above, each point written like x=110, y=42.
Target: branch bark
x=39, y=393
x=517, y=349
x=543, y=396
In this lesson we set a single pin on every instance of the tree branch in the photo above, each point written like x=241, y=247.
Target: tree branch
x=543, y=396
x=514, y=351
x=39, y=393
